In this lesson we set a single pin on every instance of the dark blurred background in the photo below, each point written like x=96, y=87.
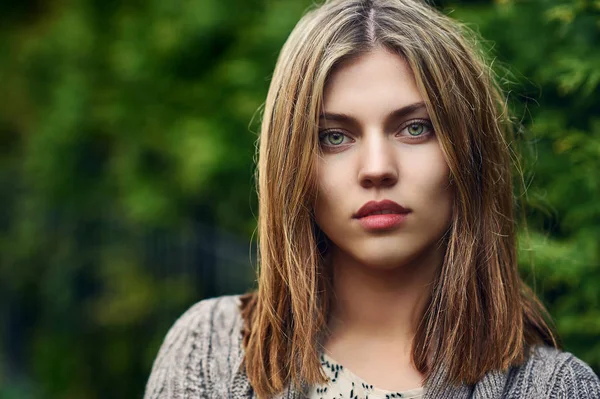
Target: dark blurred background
x=127, y=133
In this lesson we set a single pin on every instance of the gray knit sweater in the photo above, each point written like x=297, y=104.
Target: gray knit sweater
x=202, y=353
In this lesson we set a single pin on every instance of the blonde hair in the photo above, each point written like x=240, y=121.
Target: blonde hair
x=481, y=316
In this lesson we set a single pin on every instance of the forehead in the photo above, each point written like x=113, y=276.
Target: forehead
x=375, y=81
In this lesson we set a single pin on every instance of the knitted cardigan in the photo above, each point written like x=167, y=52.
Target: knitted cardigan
x=202, y=354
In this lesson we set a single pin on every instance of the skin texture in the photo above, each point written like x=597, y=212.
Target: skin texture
x=381, y=279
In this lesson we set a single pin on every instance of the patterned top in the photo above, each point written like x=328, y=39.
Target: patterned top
x=202, y=357
x=344, y=384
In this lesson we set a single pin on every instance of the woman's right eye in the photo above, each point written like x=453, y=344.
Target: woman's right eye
x=333, y=138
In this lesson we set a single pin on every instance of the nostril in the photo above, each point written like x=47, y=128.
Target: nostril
x=388, y=180
x=369, y=180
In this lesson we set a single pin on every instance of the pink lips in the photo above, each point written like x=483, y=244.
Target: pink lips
x=394, y=215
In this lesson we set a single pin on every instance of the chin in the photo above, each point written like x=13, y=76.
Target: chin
x=392, y=254
x=385, y=259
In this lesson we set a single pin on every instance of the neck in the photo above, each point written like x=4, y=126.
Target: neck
x=381, y=304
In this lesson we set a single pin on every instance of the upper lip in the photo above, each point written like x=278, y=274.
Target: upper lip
x=375, y=206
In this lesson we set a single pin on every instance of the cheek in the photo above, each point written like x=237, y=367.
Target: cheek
x=331, y=180
x=429, y=179
x=330, y=191
x=432, y=178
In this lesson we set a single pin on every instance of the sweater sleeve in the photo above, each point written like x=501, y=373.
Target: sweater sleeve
x=577, y=380
x=179, y=368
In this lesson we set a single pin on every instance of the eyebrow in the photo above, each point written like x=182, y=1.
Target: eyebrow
x=399, y=113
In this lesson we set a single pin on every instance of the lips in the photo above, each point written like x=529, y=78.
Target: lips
x=380, y=208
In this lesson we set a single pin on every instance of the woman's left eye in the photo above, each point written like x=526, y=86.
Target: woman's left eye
x=417, y=128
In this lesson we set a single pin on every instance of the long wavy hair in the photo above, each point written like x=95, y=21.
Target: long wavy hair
x=480, y=316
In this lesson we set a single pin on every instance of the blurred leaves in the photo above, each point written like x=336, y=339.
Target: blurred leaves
x=549, y=49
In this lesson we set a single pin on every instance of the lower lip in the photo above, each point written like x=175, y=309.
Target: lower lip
x=382, y=222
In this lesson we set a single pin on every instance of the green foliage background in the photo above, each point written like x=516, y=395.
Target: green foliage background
x=125, y=125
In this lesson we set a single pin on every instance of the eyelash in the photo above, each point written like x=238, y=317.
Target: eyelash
x=424, y=122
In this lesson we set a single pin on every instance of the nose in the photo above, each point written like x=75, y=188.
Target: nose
x=378, y=166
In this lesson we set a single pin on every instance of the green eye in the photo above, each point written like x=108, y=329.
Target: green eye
x=334, y=138
x=415, y=129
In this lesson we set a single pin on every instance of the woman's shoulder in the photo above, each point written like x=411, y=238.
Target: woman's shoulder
x=208, y=323
x=207, y=337
x=549, y=372
x=209, y=316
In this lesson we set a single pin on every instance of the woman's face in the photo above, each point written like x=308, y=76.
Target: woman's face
x=378, y=144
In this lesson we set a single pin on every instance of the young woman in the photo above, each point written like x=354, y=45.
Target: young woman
x=387, y=241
